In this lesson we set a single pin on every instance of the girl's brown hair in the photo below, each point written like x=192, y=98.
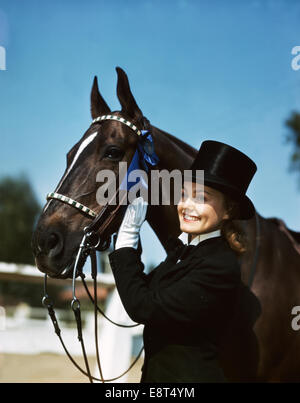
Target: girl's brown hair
x=233, y=233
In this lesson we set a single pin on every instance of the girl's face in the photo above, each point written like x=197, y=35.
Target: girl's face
x=201, y=209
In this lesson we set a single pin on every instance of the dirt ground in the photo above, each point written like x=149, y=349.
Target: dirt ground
x=49, y=368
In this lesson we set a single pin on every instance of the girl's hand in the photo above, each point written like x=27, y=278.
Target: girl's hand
x=128, y=234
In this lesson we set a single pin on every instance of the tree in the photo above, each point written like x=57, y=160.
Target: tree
x=293, y=123
x=19, y=209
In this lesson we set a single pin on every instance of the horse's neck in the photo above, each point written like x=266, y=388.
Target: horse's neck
x=173, y=154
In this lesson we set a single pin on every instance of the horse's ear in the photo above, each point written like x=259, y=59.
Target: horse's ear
x=127, y=101
x=98, y=105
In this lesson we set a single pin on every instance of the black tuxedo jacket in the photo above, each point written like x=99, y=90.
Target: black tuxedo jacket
x=186, y=307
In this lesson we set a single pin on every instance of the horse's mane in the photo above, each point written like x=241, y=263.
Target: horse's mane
x=292, y=235
x=184, y=146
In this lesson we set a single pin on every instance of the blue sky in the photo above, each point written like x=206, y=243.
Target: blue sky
x=200, y=70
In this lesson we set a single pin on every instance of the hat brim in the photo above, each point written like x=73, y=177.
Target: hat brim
x=247, y=209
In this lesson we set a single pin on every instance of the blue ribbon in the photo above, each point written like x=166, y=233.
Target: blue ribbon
x=143, y=157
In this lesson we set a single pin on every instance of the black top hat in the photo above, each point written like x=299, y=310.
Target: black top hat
x=228, y=170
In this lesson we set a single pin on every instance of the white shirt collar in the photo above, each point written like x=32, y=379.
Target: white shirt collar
x=199, y=238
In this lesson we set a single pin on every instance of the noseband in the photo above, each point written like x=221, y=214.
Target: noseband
x=91, y=242
x=73, y=203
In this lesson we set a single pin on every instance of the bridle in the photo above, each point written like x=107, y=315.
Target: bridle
x=91, y=241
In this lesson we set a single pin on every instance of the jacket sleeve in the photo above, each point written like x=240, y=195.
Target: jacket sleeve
x=195, y=297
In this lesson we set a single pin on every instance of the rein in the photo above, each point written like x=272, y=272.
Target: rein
x=257, y=250
x=91, y=242
x=86, y=249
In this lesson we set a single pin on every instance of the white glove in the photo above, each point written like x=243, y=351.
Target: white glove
x=128, y=234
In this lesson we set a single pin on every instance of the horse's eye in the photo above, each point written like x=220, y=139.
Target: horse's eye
x=113, y=153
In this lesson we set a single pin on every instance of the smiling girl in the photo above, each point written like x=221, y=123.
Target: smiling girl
x=188, y=301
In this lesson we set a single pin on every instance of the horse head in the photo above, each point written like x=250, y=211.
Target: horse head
x=104, y=144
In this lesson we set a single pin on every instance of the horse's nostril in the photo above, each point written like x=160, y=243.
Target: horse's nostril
x=49, y=244
x=54, y=244
x=52, y=241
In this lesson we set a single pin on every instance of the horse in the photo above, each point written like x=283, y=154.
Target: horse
x=263, y=346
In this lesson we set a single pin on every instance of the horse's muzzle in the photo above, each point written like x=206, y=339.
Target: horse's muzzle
x=52, y=256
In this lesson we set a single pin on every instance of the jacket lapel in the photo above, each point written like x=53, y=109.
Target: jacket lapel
x=171, y=265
